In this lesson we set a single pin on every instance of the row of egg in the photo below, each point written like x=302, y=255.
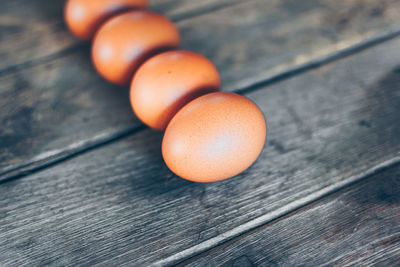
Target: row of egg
x=209, y=135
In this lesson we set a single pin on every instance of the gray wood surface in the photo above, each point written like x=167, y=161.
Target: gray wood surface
x=33, y=30
x=120, y=205
x=54, y=83
x=355, y=227
x=36, y=35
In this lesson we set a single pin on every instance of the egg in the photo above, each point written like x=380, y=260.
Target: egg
x=214, y=137
x=83, y=17
x=167, y=82
x=125, y=41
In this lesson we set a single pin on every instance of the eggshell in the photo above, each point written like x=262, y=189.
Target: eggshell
x=127, y=40
x=167, y=82
x=214, y=137
x=84, y=17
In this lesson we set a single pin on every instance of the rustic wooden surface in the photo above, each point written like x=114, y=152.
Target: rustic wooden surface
x=332, y=120
x=250, y=42
x=45, y=57
x=357, y=227
x=34, y=31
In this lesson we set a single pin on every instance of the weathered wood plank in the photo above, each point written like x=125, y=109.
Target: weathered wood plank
x=247, y=48
x=257, y=39
x=28, y=134
x=30, y=30
x=120, y=204
x=355, y=227
x=56, y=105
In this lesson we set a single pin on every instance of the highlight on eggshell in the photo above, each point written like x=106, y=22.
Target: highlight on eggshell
x=167, y=82
x=125, y=41
x=84, y=17
x=209, y=135
x=214, y=137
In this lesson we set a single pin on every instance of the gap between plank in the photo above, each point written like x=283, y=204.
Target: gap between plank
x=320, y=61
x=204, y=11
x=42, y=60
x=53, y=157
x=275, y=215
x=42, y=161
x=80, y=44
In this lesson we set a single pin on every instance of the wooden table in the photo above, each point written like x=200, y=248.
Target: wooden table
x=82, y=181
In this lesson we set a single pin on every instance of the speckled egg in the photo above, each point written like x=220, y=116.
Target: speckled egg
x=167, y=82
x=125, y=41
x=84, y=17
x=214, y=137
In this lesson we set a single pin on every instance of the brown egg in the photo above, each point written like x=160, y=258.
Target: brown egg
x=83, y=17
x=126, y=40
x=214, y=137
x=167, y=82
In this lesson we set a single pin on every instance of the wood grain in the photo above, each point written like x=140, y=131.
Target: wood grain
x=120, y=205
x=32, y=30
x=36, y=99
x=356, y=227
x=249, y=42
